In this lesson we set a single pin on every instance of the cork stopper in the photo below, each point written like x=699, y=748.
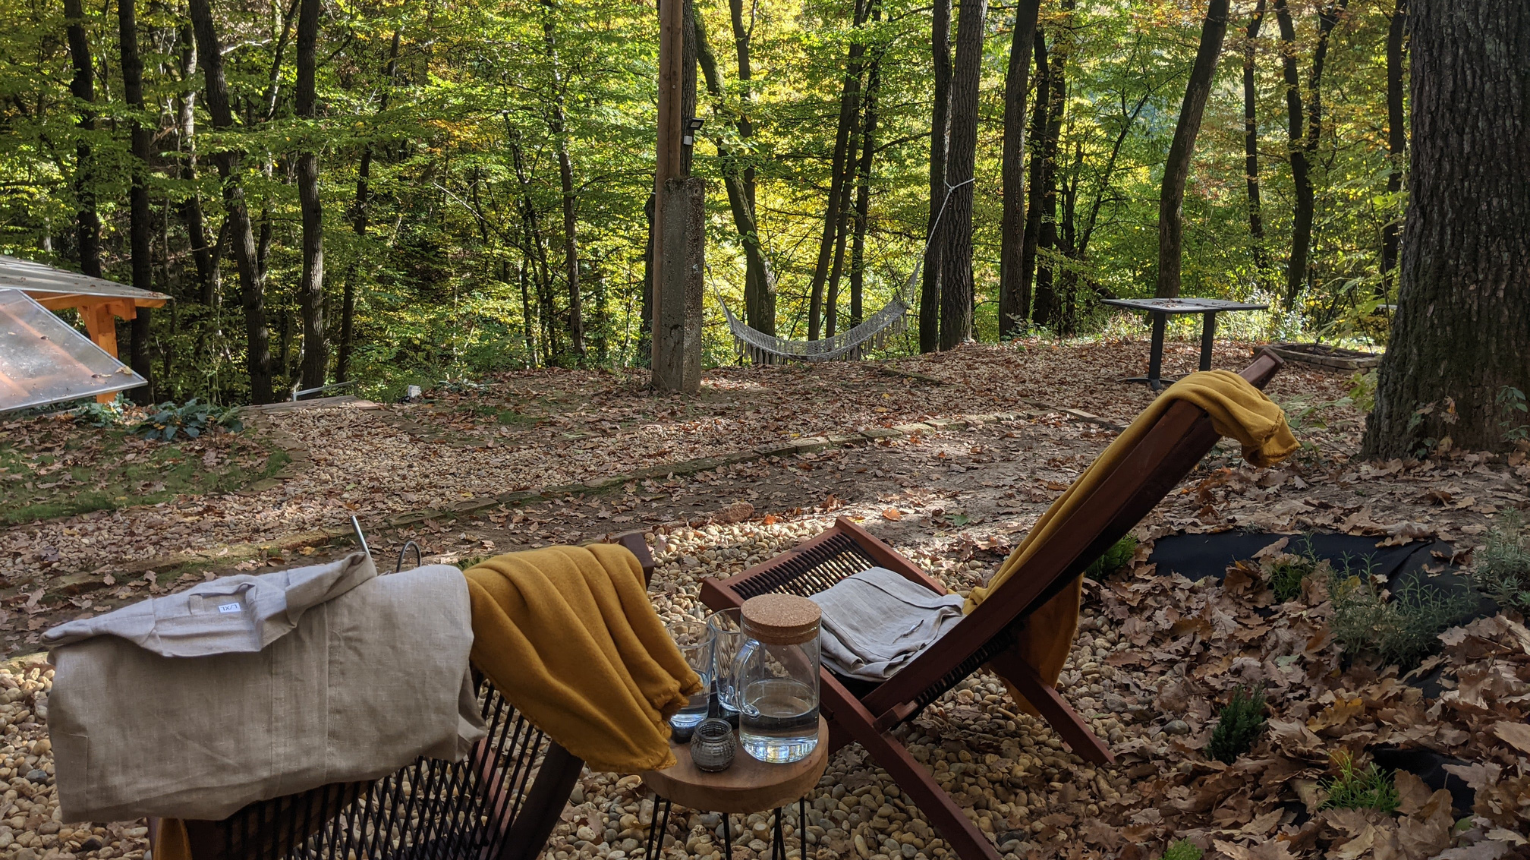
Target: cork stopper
x=780, y=619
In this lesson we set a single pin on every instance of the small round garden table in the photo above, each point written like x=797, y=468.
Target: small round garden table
x=748, y=786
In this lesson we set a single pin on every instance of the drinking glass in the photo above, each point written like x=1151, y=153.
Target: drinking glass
x=694, y=640
x=727, y=638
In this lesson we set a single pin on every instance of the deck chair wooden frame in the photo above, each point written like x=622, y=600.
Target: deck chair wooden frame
x=500, y=803
x=867, y=714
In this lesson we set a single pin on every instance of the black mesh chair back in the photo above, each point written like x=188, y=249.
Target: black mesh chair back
x=499, y=803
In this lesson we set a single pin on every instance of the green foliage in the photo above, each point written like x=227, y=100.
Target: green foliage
x=1118, y=556
x=100, y=415
x=190, y=419
x=1401, y=631
x=1362, y=390
x=1239, y=725
x=1503, y=565
x=1183, y=849
x=1511, y=400
x=1356, y=788
x=1286, y=572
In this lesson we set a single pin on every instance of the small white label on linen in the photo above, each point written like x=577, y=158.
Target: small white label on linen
x=229, y=607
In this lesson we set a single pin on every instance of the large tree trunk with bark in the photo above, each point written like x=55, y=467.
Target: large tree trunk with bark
x=1251, y=140
x=311, y=285
x=1014, y=298
x=956, y=291
x=83, y=87
x=241, y=235
x=1177, y=168
x=140, y=217
x=1461, y=339
x=1397, y=136
x=940, y=126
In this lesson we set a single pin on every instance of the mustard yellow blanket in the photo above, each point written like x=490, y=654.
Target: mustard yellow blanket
x=1238, y=410
x=569, y=637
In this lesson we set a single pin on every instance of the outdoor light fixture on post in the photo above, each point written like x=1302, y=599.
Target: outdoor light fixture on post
x=692, y=126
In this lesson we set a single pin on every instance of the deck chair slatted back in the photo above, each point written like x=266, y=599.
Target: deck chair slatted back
x=500, y=803
x=866, y=713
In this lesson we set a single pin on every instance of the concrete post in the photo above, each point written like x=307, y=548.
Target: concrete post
x=677, y=326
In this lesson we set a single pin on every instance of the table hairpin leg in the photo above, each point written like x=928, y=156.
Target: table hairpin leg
x=727, y=837
x=661, y=807
x=778, y=848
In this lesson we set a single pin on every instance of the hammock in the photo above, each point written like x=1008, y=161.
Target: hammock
x=762, y=348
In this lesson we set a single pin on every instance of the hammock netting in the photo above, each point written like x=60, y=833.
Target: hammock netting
x=851, y=344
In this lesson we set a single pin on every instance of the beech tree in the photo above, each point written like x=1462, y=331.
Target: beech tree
x=1459, y=356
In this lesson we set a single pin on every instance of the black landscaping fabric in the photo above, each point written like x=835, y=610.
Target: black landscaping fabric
x=1199, y=556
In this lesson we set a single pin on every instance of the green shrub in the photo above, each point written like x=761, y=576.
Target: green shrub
x=1503, y=566
x=191, y=419
x=1401, y=631
x=100, y=414
x=1239, y=725
x=1184, y=849
x=1355, y=788
x=1118, y=556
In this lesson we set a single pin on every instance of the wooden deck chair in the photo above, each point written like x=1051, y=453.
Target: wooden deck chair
x=500, y=803
x=866, y=713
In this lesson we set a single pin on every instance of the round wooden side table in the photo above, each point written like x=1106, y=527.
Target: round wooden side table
x=748, y=786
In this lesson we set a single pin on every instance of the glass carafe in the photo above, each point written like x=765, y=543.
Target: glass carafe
x=776, y=671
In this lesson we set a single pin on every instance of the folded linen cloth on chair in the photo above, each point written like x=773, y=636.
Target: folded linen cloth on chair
x=571, y=640
x=1237, y=409
x=876, y=621
x=247, y=688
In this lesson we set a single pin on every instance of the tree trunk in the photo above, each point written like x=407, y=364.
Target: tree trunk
x=140, y=218
x=1177, y=167
x=360, y=220
x=1014, y=299
x=833, y=212
x=1397, y=137
x=1037, y=140
x=940, y=122
x=956, y=294
x=242, y=237
x=204, y=253
x=863, y=182
x=311, y=287
x=1461, y=337
x=83, y=87
x=558, y=125
x=1251, y=141
x=1047, y=309
x=759, y=279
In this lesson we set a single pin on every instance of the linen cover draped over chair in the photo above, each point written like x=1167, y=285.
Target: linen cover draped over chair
x=500, y=803
x=867, y=713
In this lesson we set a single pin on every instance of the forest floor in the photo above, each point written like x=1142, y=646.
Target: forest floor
x=1000, y=431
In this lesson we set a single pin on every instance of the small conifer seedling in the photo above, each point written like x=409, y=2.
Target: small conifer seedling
x=1239, y=725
